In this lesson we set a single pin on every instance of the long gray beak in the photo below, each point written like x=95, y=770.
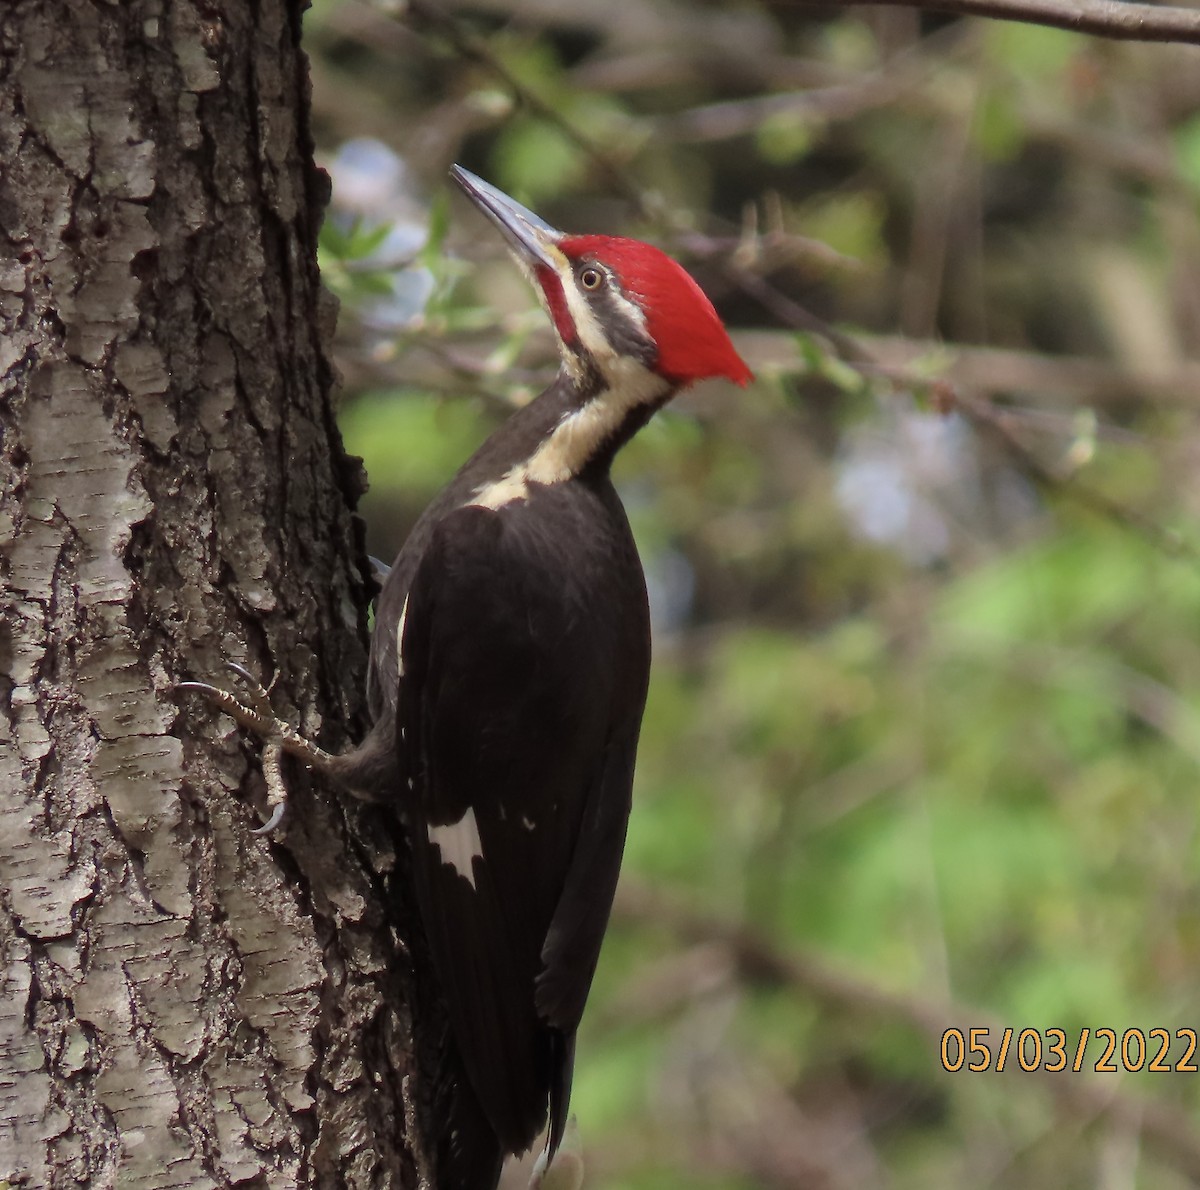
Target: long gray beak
x=530, y=237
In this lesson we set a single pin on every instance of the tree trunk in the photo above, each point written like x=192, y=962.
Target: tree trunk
x=183, y=1003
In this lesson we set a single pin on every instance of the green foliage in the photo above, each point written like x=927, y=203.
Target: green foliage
x=1033, y=54
x=784, y=138
x=539, y=160
x=342, y=247
x=999, y=130
x=414, y=442
x=850, y=223
x=533, y=156
x=1187, y=151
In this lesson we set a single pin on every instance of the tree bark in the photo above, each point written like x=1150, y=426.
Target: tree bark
x=183, y=1003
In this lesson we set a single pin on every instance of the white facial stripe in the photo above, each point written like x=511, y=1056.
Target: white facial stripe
x=459, y=844
x=630, y=308
x=574, y=441
x=587, y=325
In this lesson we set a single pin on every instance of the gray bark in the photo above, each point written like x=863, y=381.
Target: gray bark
x=181, y=1003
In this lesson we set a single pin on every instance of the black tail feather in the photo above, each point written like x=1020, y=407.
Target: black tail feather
x=562, y=1067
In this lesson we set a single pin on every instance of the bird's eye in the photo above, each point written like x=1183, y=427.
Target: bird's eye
x=591, y=278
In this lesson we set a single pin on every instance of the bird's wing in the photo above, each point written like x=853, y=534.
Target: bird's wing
x=576, y=932
x=506, y=719
x=573, y=941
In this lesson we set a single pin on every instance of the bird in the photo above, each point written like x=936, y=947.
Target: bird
x=508, y=676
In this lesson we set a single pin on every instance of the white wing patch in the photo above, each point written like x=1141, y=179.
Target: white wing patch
x=459, y=844
x=400, y=639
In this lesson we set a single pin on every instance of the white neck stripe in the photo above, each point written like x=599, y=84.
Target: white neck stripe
x=577, y=438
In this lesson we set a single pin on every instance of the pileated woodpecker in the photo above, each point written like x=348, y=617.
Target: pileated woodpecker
x=507, y=682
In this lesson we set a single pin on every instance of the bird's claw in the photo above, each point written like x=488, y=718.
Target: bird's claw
x=260, y=694
x=276, y=788
x=273, y=822
x=259, y=717
x=277, y=735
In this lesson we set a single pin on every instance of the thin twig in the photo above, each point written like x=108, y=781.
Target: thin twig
x=1070, y=379
x=994, y=422
x=1123, y=20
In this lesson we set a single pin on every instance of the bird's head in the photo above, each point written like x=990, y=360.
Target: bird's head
x=616, y=304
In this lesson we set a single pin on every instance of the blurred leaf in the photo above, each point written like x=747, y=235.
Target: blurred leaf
x=607, y=1088
x=433, y=252
x=851, y=43
x=784, y=137
x=850, y=223
x=822, y=360
x=410, y=441
x=998, y=128
x=353, y=241
x=1187, y=150
x=1071, y=584
x=536, y=160
x=1034, y=53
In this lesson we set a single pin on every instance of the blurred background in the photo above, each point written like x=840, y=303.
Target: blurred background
x=923, y=741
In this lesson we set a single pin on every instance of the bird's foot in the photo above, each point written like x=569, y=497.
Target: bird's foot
x=258, y=716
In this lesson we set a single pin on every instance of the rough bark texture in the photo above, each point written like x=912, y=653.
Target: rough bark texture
x=182, y=1003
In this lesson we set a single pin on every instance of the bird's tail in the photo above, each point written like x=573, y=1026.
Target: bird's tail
x=562, y=1067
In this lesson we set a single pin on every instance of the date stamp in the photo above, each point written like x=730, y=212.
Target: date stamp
x=1103, y=1051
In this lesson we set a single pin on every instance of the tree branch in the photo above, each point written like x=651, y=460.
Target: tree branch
x=1120, y=19
x=1055, y=379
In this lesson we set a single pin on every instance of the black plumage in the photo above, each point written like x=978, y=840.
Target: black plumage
x=526, y=652
x=520, y=734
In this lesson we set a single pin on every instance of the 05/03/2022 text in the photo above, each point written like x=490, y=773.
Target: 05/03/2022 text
x=983, y=1048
